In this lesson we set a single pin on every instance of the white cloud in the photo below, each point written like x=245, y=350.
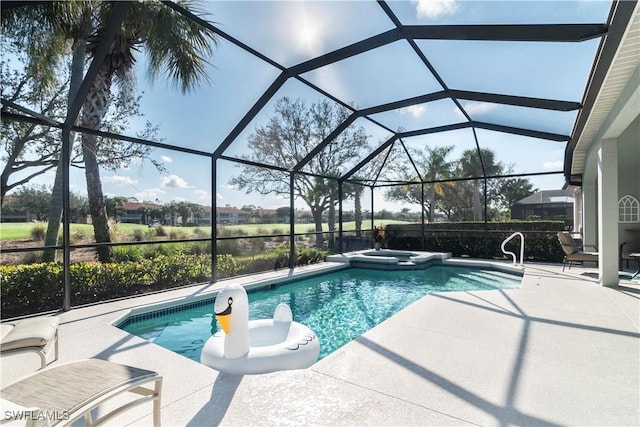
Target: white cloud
x=151, y=194
x=219, y=196
x=415, y=110
x=202, y=195
x=477, y=108
x=166, y=159
x=118, y=180
x=174, y=181
x=433, y=9
x=558, y=164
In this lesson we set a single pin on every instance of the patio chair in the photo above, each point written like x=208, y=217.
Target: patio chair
x=35, y=335
x=626, y=249
x=65, y=393
x=572, y=253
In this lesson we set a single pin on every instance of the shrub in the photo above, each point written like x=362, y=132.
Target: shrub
x=199, y=233
x=154, y=251
x=231, y=247
x=469, y=239
x=113, y=228
x=73, y=237
x=35, y=288
x=238, y=232
x=38, y=231
x=161, y=231
x=32, y=257
x=138, y=235
x=227, y=266
x=258, y=244
x=127, y=253
x=76, y=235
x=197, y=248
x=176, y=234
x=231, y=232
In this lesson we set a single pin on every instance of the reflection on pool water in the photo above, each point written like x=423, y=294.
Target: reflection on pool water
x=338, y=306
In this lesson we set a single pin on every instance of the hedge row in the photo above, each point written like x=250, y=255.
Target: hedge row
x=470, y=239
x=35, y=288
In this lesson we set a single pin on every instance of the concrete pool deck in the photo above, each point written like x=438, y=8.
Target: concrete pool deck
x=561, y=350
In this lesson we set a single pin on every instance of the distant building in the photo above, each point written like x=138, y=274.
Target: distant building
x=132, y=213
x=546, y=204
x=13, y=213
x=229, y=215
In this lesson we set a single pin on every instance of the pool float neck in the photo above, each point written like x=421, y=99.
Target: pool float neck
x=258, y=346
x=232, y=313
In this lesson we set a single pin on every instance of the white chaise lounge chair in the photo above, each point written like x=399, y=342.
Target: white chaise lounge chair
x=65, y=393
x=36, y=335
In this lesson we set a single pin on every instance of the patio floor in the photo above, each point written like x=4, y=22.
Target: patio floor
x=561, y=350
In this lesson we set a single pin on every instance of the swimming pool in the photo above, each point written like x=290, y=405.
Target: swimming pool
x=338, y=306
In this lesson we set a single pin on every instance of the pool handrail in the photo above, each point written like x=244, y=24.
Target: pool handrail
x=505, y=241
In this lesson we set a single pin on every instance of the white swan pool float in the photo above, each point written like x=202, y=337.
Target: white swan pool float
x=257, y=346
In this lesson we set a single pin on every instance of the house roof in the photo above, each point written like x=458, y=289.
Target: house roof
x=547, y=197
x=229, y=210
x=614, y=86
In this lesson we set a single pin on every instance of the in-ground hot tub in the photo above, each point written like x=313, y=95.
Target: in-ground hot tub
x=389, y=259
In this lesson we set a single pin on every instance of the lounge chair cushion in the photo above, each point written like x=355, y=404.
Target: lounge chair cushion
x=583, y=256
x=36, y=332
x=73, y=390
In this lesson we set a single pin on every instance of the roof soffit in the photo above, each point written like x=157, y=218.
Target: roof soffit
x=616, y=86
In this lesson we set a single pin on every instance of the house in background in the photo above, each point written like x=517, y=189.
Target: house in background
x=229, y=215
x=546, y=204
x=133, y=214
x=602, y=160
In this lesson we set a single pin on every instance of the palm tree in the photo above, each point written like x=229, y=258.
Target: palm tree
x=436, y=166
x=357, y=197
x=174, y=45
x=145, y=214
x=472, y=167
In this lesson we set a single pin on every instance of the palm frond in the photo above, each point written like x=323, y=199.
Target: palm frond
x=177, y=47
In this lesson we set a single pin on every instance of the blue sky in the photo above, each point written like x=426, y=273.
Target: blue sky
x=291, y=32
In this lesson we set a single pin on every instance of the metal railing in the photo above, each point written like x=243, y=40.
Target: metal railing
x=507, y=240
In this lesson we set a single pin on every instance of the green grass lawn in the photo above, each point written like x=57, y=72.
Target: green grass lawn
x=22, y=230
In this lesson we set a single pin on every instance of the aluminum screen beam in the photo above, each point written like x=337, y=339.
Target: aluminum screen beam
x=370, y=157
x=436, y=129
x=354, y=49
x=540, y=33
x=518, y=101
x=520, y=131
x=252, y=113
x=521, y=33
x=337, y=131
x=435, y=96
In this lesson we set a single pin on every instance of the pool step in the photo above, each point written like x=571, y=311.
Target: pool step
x=406, y=263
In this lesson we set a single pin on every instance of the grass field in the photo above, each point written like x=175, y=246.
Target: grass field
x=22, y=230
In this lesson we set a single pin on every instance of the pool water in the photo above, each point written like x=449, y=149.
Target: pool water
x=338, y=306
